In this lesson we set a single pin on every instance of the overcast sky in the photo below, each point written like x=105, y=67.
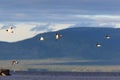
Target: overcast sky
x=52, y=15
x=72, y=11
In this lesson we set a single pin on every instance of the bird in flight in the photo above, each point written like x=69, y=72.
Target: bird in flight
x=14, y=62
x=98, y=45
x=42, y=38
x=10, y=30
x=107, y=36
x=58, y=36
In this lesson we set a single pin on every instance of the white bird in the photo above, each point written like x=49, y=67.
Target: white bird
x=58, y=36
x=14, y=62
x=107, y=37
x=98, y=45
x=42, y=38
x=10, y=30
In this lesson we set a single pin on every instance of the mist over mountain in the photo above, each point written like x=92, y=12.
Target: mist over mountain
x=79, y=42
x=24, y=31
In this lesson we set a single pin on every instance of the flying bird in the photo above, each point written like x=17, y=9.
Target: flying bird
x=107, y=37
x=58, y=36
x=14, y=62
x=98, y=45
x=10, y=30
x=42, y=38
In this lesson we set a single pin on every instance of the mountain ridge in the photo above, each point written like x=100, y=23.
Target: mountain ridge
x=79, y=42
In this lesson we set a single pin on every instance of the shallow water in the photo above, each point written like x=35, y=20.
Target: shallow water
x=62, y=76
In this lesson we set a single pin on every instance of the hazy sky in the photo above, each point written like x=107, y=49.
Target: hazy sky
x=51, y=15
x=69, y=11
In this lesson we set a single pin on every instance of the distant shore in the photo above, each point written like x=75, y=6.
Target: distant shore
x=47, y=65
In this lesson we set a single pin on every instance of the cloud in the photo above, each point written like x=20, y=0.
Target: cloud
x=57, y=27
x=21, y=15
x=1, y=25
x=41, y=27
x=21, y=32
x=6, y=26
x=54, y=11
x=28, y=30
x=38, y=16
x=98, y=20
x=117, y=25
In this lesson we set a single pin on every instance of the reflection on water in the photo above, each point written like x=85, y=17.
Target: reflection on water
x=84, y=63
x=35, y=75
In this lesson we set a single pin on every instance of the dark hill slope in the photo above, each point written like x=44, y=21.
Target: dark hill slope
x=75, y=43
